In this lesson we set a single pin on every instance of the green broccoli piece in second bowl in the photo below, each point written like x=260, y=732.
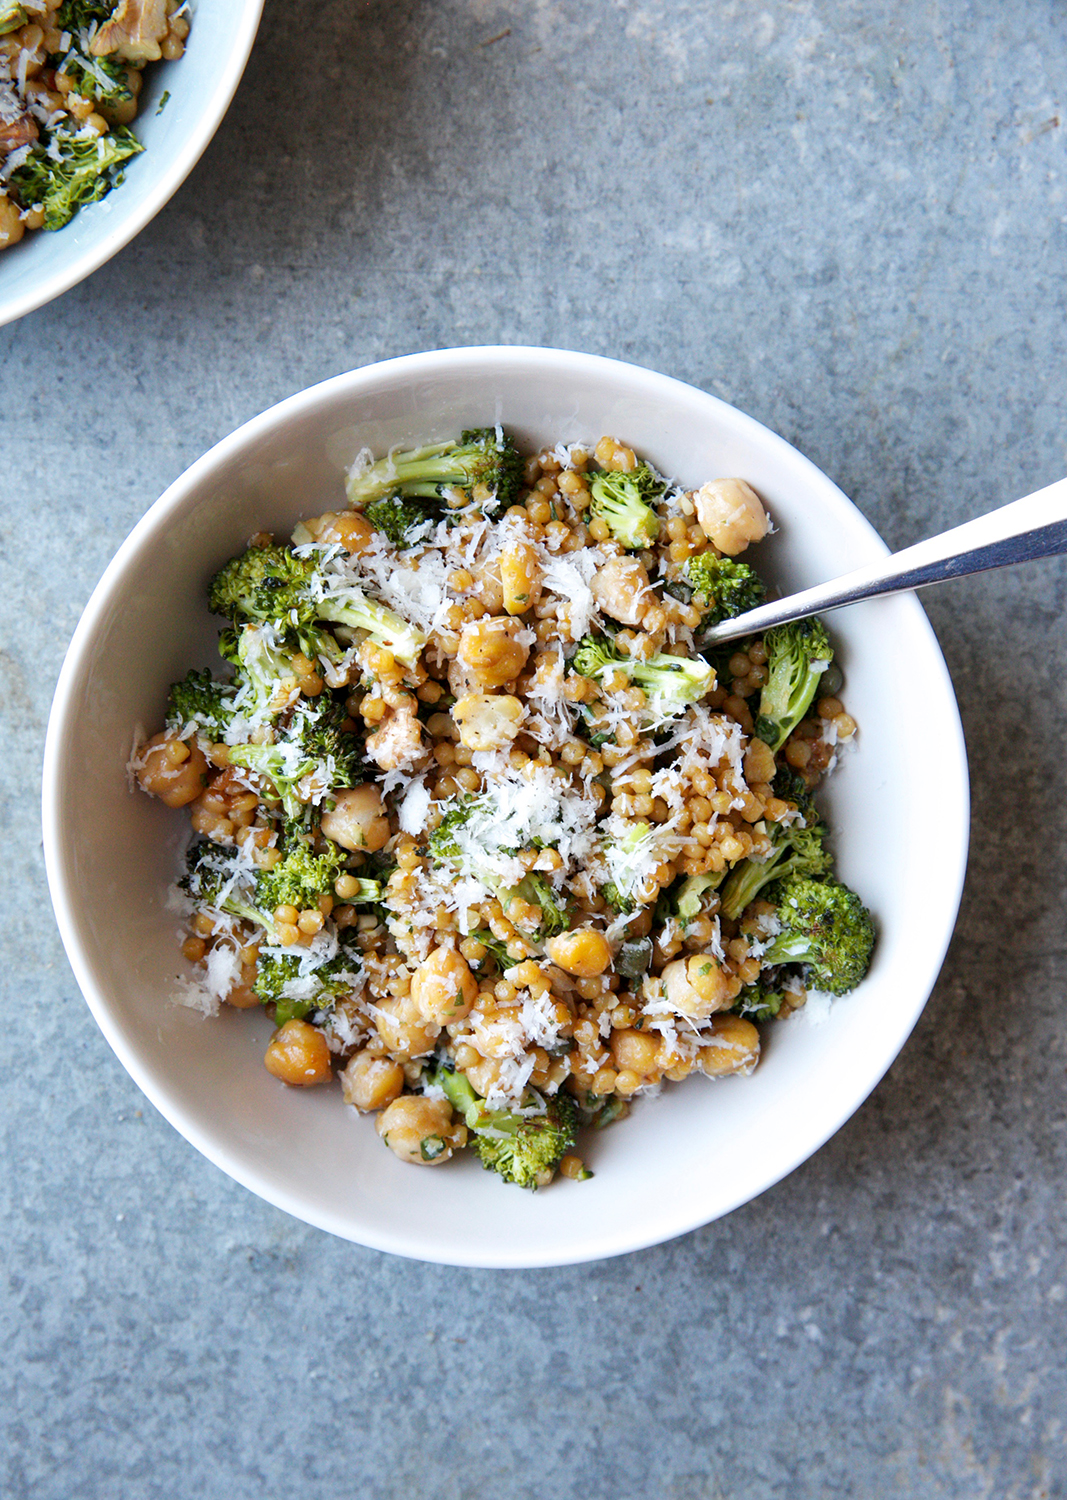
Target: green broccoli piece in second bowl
x=74, y=168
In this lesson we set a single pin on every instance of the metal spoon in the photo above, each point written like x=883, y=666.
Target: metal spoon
x=1033, y=527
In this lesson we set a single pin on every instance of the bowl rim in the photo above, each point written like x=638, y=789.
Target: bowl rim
x=245, y=437
x=127, y=227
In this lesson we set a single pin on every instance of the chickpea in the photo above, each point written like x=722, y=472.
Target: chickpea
x=490, y=651
x=401, y=1031
x=697, y=986
x=635, y=1051
x=622, y=590
x=759, y=762
x=484, y=1074
x=731, y=514
x=420, y=1130
x=443, y=989
x=241, y=995
x=173, y=770
x=583, y=952
x=298, y=1055
x=348, y=528
x=370, y=1083
x=493, y=1035
x=734, y=1049
x=488, y=721
x=487, y=586
x=357, y=820
x=397, y=742
x=520, y=577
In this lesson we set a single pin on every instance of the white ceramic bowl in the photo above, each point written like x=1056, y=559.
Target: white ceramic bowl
x=200, y=84
x=898, y=803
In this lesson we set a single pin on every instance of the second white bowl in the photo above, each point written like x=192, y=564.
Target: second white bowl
x=199, y=86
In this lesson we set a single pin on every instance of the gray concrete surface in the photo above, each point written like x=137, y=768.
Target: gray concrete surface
x=848, y=219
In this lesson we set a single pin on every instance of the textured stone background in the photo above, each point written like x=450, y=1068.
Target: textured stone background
x=846, y=217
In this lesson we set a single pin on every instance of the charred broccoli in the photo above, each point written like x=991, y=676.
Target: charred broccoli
x=294, y=594
x=670, y=683
x=202, y=701
x=215, y=880
x=311, y=755
x=297, y=987
x=723, y=587
x=302, y=876
x=825, y=927
x=626, y=503
x=797, y=656
x=74, y=168
x=483, y=456
x=398, y=518
x=523, y=1146
x=266, y=678
x=797, y=848
x=467, y=855
x=758, y=1002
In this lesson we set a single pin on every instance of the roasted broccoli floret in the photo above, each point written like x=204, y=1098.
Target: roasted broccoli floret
x=723, y=587
x=72, y=169
x=296, y=596
x=295, y=994
x=522, y=1147
x=670, y=683
x=533, y=889
x=626, y=503
x=482, y=456
x=310, y=756
x=201, y=700
x=398, y=517
x=302, y=875
x=600, y=1113
x=789, y=786
x=266, y=678
x=758, y=1002
x=797, y=656
x=619, y=900
x=826, y=928
x=99, y=78
x=264, y=584
x=796, y=849
x=494, y=949
x=213, y=880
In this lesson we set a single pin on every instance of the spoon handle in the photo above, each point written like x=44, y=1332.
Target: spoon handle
x=1033, y=527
